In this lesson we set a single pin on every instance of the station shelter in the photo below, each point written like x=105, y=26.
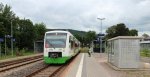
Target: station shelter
x=124, y=51
x=99, y=43
x=38, y=46
x=145, y=45
x=96, y=46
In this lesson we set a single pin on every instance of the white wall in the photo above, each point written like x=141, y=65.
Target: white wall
x=125, y=52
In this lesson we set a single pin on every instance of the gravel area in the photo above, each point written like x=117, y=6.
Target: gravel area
x=102, y=60
x=23, y=71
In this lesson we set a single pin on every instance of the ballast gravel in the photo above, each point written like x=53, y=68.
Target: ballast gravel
x=24, y=70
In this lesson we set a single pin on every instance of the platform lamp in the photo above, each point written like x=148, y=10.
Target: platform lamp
x=12, y=38
x=101, y=19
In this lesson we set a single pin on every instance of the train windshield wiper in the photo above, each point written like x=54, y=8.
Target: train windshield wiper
x=51, y=45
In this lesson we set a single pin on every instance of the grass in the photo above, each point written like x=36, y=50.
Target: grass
x=84, y=50
x=145, y=53
x=10, y=56
x=28, y=53
x=7, y=57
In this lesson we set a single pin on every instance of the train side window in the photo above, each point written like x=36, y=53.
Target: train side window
x=69, y=39
x=72, y=45
x=76, y=45
x=71, y=42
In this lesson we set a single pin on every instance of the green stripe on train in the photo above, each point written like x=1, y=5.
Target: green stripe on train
x=56, y=60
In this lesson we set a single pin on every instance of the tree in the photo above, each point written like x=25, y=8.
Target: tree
x=111, y=32
x=1, y=7
x=6, y=16
x=2, y=29
x=145, y=35
x=133, y=32
x=26, y=34
x=87, y=38
x=90, y=36
x=120, y=30
x=81, y=38
x=40, y=30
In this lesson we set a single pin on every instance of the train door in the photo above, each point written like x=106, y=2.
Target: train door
x=71, y=45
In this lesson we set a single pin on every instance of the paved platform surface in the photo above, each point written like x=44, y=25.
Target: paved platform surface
x=97, y=66
x=85, y=66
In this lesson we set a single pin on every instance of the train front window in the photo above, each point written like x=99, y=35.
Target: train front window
x=55, y=40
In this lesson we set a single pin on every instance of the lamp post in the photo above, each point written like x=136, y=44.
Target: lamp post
x=101, y=19
x=5, y=45
x=6, y=36
x=1, y=40
x=11, y=37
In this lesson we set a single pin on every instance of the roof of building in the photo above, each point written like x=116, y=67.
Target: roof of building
x=125, y=37
x=144, y=42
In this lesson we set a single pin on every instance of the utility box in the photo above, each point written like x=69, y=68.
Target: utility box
x=124, y=51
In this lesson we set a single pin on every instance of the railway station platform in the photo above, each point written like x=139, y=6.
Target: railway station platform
x=94, y=66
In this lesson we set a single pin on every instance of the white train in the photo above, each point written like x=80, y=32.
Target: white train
x=59, y=46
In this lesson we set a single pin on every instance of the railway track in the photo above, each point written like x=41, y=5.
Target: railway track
x=5, y=66
x=50, y=70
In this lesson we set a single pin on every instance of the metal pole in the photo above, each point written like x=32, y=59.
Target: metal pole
x=101, y=33
x=11, y=38
x=5, y=45
x=101, y=39
x=0, y=49
x=101, y=45
x=34, y=46
x=101, y=26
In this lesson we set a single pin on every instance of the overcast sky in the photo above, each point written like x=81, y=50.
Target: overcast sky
x=83, y=14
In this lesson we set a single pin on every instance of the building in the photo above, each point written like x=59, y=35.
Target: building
x=39, y=46
x=145, y=43
x=124, y=51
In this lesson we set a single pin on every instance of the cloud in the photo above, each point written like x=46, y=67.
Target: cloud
x=83, y=14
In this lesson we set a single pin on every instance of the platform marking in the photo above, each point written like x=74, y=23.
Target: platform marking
x=79, y=72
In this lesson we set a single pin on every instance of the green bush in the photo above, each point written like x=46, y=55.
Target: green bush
x=20, y=53
x=84, y=50
x=145, y=52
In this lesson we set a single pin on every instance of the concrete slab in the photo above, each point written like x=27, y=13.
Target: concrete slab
x=97, y=66
x=94, y=69
x=72, y=68
x=89, y=67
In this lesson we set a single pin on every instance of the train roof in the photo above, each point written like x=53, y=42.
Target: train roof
x=60, y=31
x=125, y=37
x=145, y=42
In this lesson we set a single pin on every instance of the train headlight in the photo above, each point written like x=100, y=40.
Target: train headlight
x=50, y=49
x=60, y=49
x=63, y=49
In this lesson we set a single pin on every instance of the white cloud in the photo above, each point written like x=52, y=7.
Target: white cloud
x=82, y=14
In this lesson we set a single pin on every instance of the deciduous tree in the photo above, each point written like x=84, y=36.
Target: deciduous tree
x=120, y=30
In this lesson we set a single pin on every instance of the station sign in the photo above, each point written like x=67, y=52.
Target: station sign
x=1, y=39
x=8, y=36
x=101, y=34
x=14, y=39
